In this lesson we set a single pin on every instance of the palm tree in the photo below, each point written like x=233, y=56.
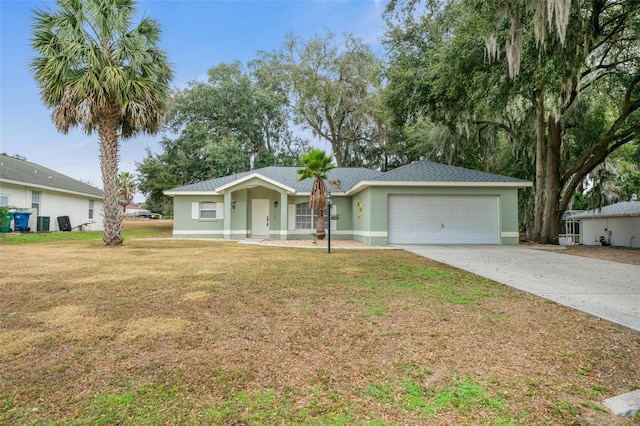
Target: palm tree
x=317, y=163
x=99, y=71
x=126, y=189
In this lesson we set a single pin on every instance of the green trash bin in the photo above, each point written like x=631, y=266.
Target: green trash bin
x=5, y=226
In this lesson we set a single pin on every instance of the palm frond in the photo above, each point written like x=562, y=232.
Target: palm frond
x=91, y=56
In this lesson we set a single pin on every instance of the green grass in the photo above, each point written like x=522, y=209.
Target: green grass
x=460, y=395
x=44, y=237
x=145, y=406
x=153, y=229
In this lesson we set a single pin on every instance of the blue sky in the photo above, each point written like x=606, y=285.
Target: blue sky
x=197, y=35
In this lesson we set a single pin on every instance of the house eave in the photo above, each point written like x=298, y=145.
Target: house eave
x=51, y=188
x=605, y=216
x=174, y=193
x=333, y=194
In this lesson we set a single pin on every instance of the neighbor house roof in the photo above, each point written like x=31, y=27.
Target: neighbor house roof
x=626, y=208
x=354, y=179
x=22, y=172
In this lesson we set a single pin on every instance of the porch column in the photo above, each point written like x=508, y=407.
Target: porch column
x=284, y=215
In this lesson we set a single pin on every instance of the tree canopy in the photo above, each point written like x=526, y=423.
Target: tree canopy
x=572, y=104
x=332, y=88
x=230, y=124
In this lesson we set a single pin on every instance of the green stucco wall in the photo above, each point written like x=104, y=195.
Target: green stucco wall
x=508, y=207
x=185, y=226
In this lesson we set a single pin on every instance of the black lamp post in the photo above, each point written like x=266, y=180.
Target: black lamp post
x=329, y=216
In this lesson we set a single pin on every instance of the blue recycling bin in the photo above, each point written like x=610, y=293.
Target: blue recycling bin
x=21, y=221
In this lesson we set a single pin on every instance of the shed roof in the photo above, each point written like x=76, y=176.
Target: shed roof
x=625, y=208
x=17, y=171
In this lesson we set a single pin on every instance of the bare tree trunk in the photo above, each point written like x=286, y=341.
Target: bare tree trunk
x=540, y=165
x=551, y=221
x=320, y=231
x=337, y=153
x=109, y=146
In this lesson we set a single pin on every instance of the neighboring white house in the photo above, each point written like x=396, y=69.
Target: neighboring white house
x=618, y=223
x=45, y=193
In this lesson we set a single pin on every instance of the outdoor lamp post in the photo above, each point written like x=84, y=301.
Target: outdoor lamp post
x=329, y=216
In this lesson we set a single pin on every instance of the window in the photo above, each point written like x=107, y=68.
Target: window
x=35, y=201
x=4, y=200
x=305, y=219
x=90, y=209
x=208, y=210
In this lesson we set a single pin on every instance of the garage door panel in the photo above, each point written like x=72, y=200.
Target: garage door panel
x=429, y=219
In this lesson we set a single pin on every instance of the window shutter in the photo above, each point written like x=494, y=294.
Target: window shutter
x=334, y=223
x=291, y=217
x=195, y=211
x=219, y=210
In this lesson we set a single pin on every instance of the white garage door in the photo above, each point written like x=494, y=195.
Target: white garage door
x=430, y=219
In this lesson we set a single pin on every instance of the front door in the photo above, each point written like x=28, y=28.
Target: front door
x=259, y=218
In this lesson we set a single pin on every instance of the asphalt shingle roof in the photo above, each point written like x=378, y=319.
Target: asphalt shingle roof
x=428, y=171
x=626, y=208
x=348, y=177
x=22, y=171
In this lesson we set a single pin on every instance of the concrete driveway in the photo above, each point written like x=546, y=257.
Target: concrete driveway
x=606, y=290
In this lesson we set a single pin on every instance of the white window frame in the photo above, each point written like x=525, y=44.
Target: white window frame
x=304, y=217
x=4, y=200
x=208, y=210
x=36, y=199
x=91, y=207
x=302, y=210
x=197, y=209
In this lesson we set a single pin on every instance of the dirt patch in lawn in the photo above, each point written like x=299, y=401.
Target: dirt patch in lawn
x=201, y=332
x=627, y=255
x=612, y=254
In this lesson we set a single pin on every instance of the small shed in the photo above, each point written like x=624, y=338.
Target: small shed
x=618, y=223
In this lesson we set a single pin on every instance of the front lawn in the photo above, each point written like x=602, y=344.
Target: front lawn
x=196, y=332
x=130, y=229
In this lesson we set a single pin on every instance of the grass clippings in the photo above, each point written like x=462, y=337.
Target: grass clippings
x=197, y=332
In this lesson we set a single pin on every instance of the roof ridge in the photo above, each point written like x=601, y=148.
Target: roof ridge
x=31, y=173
